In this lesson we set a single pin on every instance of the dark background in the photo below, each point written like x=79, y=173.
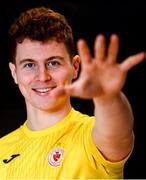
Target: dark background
x=87, y=18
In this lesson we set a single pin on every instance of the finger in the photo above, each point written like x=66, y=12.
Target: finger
x=74, y=89
x=99, y=48
x=67, y=90
x=132, y=61
x=113, y=49
x=84, y=52
x=57, y=92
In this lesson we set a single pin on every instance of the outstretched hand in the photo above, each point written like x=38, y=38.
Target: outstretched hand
x=100, y=75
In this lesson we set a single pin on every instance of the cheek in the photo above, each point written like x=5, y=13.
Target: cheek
x=65, y=76
x=24, y=84
x=24, y=79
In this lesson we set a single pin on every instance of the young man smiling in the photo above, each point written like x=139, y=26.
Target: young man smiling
x=56, y=141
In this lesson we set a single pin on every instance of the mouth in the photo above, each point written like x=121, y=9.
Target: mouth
x=43, y=91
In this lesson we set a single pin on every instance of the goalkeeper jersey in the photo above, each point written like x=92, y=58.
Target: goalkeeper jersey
x=63, y=151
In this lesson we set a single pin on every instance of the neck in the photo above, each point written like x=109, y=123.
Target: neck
x=39, y=119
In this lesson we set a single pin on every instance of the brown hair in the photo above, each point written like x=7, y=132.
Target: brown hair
x=41, y=24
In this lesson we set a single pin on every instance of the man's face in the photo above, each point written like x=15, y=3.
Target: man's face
x=39, y=69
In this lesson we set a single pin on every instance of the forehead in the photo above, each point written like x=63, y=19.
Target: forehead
x=29, y=49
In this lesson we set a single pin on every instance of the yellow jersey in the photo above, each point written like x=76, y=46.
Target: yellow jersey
x=63, y=151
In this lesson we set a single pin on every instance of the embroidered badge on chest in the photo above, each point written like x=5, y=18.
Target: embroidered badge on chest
x=55, y=157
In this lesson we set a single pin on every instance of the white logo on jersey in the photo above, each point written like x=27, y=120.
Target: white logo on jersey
x=55, y=157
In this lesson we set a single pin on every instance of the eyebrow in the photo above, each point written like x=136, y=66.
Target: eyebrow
x=26, y=60
x=32, y=60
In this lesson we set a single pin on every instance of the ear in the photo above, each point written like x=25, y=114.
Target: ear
x=75, y=63
x=13, y=71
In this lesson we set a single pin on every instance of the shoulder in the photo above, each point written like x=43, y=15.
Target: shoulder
x=10, y=138
x=82, y=116
x=82, y=119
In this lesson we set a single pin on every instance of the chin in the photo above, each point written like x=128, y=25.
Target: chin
x=51, y=105
x=47, y=107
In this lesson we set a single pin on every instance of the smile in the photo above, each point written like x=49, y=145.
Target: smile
x=43, y=90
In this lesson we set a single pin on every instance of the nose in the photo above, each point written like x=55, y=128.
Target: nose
x=43, y=74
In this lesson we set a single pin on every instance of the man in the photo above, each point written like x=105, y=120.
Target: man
x=56, y=141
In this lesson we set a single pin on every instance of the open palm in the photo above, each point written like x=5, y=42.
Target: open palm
x=101, y=75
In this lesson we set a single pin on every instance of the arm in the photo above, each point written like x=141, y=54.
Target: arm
x=112, y=132
x=102, y=80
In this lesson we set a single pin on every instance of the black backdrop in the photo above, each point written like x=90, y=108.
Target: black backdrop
x=87, y=18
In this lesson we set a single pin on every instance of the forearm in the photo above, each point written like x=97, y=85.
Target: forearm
x=113, y=115
x=113, y=127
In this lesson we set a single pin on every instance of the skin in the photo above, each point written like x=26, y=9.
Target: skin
x=101, y=79
x=38, y=72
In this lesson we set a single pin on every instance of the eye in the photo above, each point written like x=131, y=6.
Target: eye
x=29, y=65
x=53, y=64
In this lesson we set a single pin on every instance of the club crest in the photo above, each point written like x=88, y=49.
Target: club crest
x=55, y=157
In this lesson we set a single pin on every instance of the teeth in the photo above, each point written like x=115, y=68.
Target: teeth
x=44, y=90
